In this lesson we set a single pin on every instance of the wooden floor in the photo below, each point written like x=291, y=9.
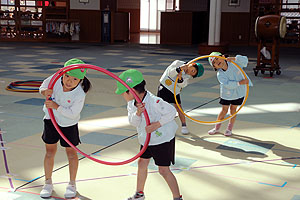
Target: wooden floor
x=260, y=161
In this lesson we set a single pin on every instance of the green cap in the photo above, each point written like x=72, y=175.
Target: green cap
x=211, y=59
x=78, y=73
x=131, y=77
x=200, y=70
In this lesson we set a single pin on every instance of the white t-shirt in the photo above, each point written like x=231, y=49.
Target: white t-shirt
x=169, y=77
x=70, y=103
x=158, y=110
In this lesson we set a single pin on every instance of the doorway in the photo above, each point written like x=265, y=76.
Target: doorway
x=150, y=18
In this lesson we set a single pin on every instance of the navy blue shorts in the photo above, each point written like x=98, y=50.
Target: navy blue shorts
x=236, y=102
x=163, y=154
x=167, y=95
x=51, y=136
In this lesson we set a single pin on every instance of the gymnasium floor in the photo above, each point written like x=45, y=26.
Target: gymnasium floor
x=260, y=161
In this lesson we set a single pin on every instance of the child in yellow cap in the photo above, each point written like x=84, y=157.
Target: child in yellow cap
x=67, y=100
x=162, y=128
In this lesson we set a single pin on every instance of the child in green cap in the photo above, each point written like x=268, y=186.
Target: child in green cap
x=167, y=81
x=162, y=128
x=67, y=100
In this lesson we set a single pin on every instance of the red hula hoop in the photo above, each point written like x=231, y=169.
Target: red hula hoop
x=63, y=70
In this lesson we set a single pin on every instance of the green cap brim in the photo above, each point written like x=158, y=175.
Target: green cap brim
x=78, y=73
x=120, y=90
x=200, y=70
x=131, y=77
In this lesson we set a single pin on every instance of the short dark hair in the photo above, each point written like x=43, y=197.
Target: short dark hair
x=197, y=69
x=139, y=88
x=86, y=84
x=226, y=56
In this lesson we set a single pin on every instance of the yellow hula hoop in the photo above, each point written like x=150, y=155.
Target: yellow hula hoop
x=217, y=121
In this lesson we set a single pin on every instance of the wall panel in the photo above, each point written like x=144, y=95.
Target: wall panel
x=91, y=5
x=193, y=5
x=111, y=4
x=235, y=27
x=134, y=19
x=183, y=27
x=176, y=28
x=128, y=4
x=90, y=24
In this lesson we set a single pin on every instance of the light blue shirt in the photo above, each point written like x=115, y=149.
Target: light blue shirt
x=229, y=86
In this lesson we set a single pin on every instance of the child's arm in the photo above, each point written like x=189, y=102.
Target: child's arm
x=182, y=83
x=230, y=59
x=242, y=61
x=134, y=115
x=231, y=84
x=51, y=104
x=73, y=111
x=174, y=68
x=152, y=127
x=168, y=113
x=44, y=88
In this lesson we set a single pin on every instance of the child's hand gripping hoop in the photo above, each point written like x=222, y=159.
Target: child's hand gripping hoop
x=217, y=121
x=59, y=73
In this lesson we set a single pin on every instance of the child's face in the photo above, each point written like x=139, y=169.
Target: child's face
x=70, y=82
x=218, y=63
x=128, y=96
x=191, y=70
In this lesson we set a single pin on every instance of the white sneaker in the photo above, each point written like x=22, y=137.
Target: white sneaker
x=213, y=131
x=137, y=196
x=70, y=191
x=184, y=130
x=46, y=191
x=228, y=133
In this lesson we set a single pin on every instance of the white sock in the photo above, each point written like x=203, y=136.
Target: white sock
x=48, y=181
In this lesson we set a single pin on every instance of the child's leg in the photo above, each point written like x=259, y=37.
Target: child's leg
x=223, y=112
x=73, y=163
x=184, y=129
x=142, y=174
x=232, y=120
x=222, y=115
x=73, y=168
x=170, y=179
x=181, y=115
x=49, y=160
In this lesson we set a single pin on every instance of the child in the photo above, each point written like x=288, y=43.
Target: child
x=162, y=128
x=232, y=87
x=167, y=81
x=67, y=100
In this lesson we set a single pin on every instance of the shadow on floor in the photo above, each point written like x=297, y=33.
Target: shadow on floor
x=246, y=148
